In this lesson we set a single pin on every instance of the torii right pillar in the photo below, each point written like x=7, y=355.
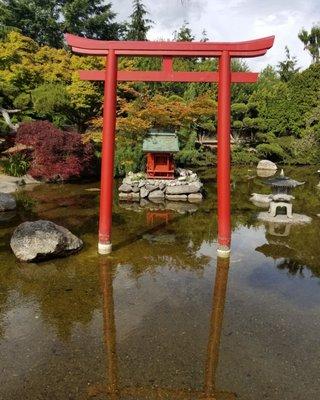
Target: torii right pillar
x=223, y=167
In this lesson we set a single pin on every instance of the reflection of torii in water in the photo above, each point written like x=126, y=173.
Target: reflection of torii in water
x=209, y=392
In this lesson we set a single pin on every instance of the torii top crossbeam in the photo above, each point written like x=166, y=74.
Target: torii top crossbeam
x=168, y=50
x=250, y=48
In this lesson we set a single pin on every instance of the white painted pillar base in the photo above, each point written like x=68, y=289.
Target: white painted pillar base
x=223, y=251
x=104, y=248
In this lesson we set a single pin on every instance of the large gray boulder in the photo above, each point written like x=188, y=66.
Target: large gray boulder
x=7, y=202
x=40, y=240
x=266, y=164
x=184, y=189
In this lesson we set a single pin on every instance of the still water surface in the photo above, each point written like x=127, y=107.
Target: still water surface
x=163, y=318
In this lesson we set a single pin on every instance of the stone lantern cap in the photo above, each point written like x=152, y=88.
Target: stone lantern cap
x=283, y=181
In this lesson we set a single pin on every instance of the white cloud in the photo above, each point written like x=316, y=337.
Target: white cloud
x=233, y=20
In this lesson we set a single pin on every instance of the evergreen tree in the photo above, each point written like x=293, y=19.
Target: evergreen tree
x=184, y=34
x=37, y=19
x=45, y=20
x=287, y=68
x=311, y=42
x=139, y=25
x=91, y=18
x=204, y=36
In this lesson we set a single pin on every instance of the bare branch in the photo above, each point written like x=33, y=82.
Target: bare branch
x=5, y=113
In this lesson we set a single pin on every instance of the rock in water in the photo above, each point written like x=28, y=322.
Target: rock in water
x=266, y=164
x=7, y=202
x=129, y=196
x=41, y=240
x=184, y=189
x=195, y=197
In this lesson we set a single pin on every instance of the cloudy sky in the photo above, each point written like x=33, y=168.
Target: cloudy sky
x=234, y=20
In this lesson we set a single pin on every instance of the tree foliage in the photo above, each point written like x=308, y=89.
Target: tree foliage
x=45, y=21
x=57, y=155
x=311, y=41
x=139, y=24
x=278, y=117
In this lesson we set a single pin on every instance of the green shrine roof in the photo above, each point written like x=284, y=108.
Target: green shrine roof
x=161, y=142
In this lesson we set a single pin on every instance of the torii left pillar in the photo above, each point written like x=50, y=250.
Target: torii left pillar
x=107, y=159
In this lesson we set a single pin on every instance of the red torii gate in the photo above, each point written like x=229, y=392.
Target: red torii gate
x=167, y=50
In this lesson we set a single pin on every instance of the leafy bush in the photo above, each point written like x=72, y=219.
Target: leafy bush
x=272, y=151
x=57, y=155
x=16, y=165
x=128, y=157
x=243, y=155
x=306, y=150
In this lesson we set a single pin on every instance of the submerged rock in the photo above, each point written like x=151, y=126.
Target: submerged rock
x=7, y=202
x=40, y=240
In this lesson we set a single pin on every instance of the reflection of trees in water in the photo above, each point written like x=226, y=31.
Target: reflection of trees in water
x=113, y=389
x=291, y=266
x=7, y=284
x=66, y=295
x=299, y=248
x=66, y=289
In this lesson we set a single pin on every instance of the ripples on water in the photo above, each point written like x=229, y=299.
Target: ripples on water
x=162, y=318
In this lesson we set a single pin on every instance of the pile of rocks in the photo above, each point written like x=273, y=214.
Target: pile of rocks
x=185, y=187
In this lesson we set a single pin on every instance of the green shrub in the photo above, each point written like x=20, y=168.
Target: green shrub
x=128, y=157
x=243, y=155
x=272, y=151
x=16, y=165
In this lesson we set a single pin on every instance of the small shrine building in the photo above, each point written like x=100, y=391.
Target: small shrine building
x=160, y=147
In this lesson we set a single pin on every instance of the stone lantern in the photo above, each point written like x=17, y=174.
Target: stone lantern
x=281, y=197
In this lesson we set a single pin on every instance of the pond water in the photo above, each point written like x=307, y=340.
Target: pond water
x=162, y=318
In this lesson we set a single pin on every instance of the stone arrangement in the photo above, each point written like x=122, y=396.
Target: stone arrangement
x=185, y=187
